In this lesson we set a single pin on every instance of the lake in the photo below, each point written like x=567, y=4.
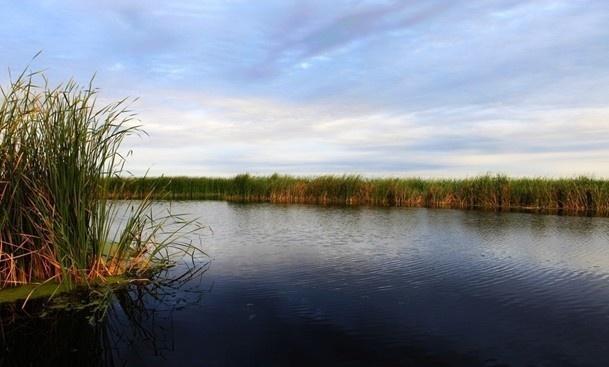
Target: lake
x=328, y=286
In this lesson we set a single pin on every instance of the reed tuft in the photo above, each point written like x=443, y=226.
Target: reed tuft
x=58, y=152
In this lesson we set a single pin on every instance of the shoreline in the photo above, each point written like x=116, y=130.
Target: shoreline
x=580, y=196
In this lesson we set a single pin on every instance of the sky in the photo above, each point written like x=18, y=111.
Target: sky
x=427, y=88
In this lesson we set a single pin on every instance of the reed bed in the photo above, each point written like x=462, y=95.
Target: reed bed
x=58, y=150
x=574, y=195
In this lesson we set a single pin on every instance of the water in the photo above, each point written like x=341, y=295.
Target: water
x=316, y=286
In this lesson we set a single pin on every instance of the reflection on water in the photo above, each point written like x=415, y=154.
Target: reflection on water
x=306, y=285
x=103, y=329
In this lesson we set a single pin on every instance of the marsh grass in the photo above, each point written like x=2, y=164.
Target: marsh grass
x=575, y=195
x=58, y=150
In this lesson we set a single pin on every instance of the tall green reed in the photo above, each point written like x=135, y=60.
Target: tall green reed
x=58, y=150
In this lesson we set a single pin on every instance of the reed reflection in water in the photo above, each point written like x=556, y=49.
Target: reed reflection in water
x=105, y=329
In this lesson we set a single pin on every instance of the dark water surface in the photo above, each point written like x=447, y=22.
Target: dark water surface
x=316, y=286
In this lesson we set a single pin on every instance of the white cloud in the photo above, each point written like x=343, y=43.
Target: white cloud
x=232, y=135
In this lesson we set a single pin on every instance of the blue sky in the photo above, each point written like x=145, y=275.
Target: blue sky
x=401, y=88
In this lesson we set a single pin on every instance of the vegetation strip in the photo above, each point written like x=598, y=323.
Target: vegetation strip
x=576, y=195
x=49, y=289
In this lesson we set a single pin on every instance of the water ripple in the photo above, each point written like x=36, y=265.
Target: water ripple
x=437, y=287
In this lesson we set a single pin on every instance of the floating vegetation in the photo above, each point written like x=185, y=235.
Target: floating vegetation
x=58, y=226
x=576, y=195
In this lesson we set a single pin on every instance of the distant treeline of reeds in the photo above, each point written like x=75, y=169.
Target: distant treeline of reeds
x=569, y=195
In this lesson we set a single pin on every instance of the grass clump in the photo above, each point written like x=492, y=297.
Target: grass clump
x=58, y=151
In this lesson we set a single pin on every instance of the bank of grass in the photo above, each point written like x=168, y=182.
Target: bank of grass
x=573, y=195
x=58, y=150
